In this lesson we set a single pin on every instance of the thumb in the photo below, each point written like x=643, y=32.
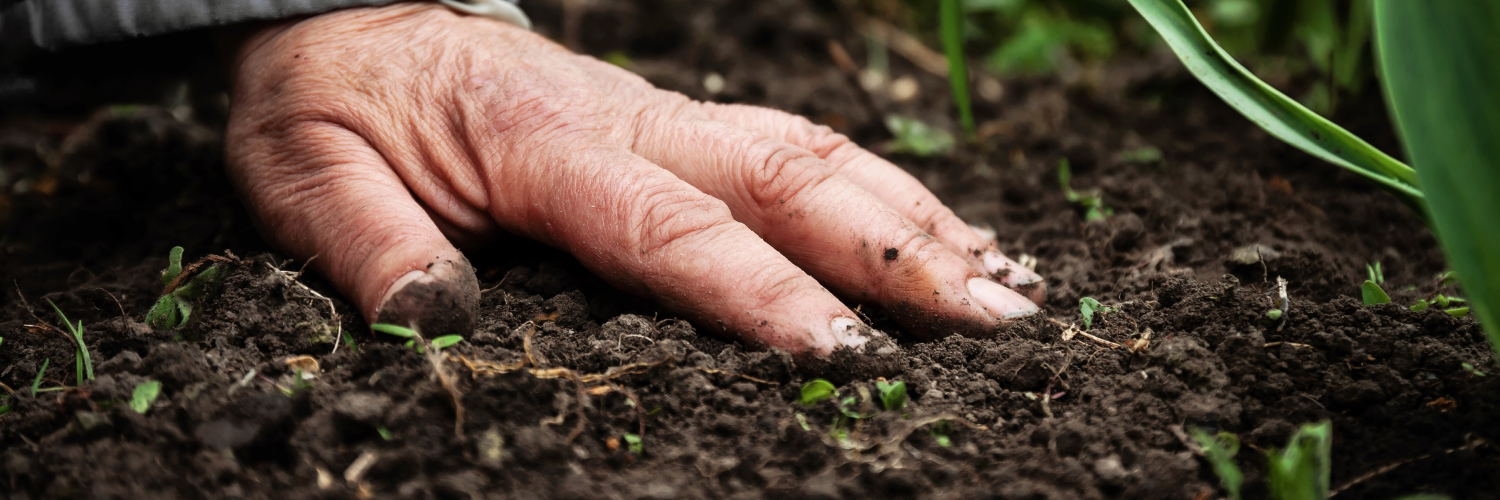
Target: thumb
x=320, y=190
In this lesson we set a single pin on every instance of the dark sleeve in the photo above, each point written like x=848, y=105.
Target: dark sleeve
x=28, y=25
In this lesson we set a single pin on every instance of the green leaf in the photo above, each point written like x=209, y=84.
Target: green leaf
x=384, y=433
x=446, y=341
x=1274, y=314
x=1441, y=63
x=1087, y=306
x=1373, y=294
x=164, y=314
x=144, y=395
x=912, y=136
x=37, y=382
x=397, y=330
x=633, y=443
x=1421, y=305
x=892, y=394
x=817, y=391
x=174, y=266
x=1269, y=108
x=1219, y=450
x=201, y=284
x=1300, y=472
x=1457, y=312
x=951, y=29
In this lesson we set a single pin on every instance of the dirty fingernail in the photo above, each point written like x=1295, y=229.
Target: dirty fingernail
x=1008, y=271
x=438, y=300
x=1001, y=302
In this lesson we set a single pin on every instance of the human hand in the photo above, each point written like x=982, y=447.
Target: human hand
x=375, y=138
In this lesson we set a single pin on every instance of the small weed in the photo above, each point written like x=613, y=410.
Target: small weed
x=1087, y=308
x=1376, y=274
x=82, y=359
x=914, y=137
x=446, y=341
x=951, y=30
x=1472, y=370
x=1090, y=201
x=144, y=395
x=892, y=394
x=1373, y=294
x=349, y=341
x=1300, y=472
x=37, y=382
x=1220, y=450
x=176, y=305
x=633, y=443
x=1274, y=314
x=817, y=391
x=939, y=432
x=384, y=433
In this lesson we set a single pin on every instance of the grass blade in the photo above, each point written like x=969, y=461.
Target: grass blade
x=37, y=383
x=1441, y=63
x=1269, y=108
x=951, y=28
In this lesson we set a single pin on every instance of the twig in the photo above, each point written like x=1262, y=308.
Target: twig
x=1069, y=330
x=193, y=269
x=1472, y=444
x=1286, y=303
x=117, y=301
x=332, y=312
x=7, y=388
x=908, y=46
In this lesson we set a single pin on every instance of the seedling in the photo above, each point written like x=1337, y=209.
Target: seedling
x=1300, y=472
x=939, y=432
x=82, y=360
x=1274, y=314
x=178, y=300
x=1472, y=370
x=1087, y=308
x=1220, y=450
x=802, y=420
x=1373, y=294
x=817, y=391
x=914, y=137
x=349, y=341
x=144, y=395
x=37, y=382
x=951, y=28
x=633, y=443
x=384, y=433
x=1376, y=274
x=1090, y=201
x=892, y=394
x=400, y=331
x=446, y=341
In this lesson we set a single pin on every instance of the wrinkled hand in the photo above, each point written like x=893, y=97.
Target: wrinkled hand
x=374, y=138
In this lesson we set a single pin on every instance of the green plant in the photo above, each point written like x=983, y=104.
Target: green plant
x=446, y=341
x=349, y=341
x=939, y=432
x=917, y=138
x=144, y=395
x=1472, y=370
x=633, y=443
x=82, y=360
x=1090, y=201
x=1220, y=449
x=1300, y=472
x=1087, y=308
x=37, y=382
x=385, y=433
x=892, y=394
x=1373, y=294
x=951, y=29
x=175, y=307
x=400, y=331
x=1376, y=274
x=1274, y=314
x=817, y=391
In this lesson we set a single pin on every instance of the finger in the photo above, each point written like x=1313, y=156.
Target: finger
x=837, y=231
x=893, y=186
x=648, y=232
x=319, y=190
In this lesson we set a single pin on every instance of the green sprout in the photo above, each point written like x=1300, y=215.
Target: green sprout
x=1090, y=201
x=633, y=443
x=37, y=382
x=1300, y=472
x=82, y=360
x=939, y=432
x=802, y=420
x=1087, y=308
x=144, y=395
x=892, y=394
x=916, y=138
x=349, y=341
x=1376, y=274
x=1220, y=449
x=1274, y=314
x=1373, y=294
x=817, y=391
x=951, y=29
x=1472, y=370
x=176, y=305
x=384, y=433
x=446, y=341
x=406, y=333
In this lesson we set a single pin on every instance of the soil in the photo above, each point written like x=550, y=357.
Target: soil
x=92, y=205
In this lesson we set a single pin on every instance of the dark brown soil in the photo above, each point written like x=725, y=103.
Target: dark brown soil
x=91, y=207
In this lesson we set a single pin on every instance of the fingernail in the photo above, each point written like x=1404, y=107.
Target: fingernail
x=438, y=300
x=1001, y=302
x=1008, y=271
x=984, y=233
x=847, y=331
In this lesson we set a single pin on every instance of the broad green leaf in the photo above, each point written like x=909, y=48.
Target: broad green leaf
x=397, y=330
x=1373, y=294
x=816, y=391
x=1273, y=111
x=951, y=14
x=892, y=394
x=1220, y=450
x=144, y=395
x=1300, y=472
x=634, y=444
x=164, y=314
x=1087, y=306
x=1441, y=66
x=446, y=341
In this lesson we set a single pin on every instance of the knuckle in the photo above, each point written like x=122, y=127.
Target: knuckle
x=775, y=285
x=676, y=217
x=820, y=139
x=780, y=172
